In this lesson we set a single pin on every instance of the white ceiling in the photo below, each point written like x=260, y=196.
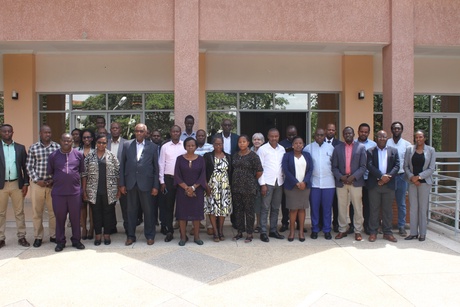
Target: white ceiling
x=133, y=46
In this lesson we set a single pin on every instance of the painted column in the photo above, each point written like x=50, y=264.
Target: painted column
x=357, y=76
x=186, y=61
x=21, y=113
x=398, y=69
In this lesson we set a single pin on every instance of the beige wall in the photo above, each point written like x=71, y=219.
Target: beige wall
x=435, y=75
x=105, y=72
x=265, y=72
x=1, y=73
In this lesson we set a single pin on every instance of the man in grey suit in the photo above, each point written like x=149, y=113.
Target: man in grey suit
x=348, y=166
x=115, y=144
x=383, y=165
x=139, y=179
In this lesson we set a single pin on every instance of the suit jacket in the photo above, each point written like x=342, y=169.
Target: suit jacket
x=120, y=146
x=288, y=166
x=234, y=141
x=358, y=164
x=209, y=161
x=144, y=172
x=428, y=167
x=375, y=174
x=21, y=156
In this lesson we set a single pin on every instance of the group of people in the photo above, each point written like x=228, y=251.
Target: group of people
x=188, y=179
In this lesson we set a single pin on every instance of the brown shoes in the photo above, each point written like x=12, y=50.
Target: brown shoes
x=358, y=237
x=341, y=235
x=23, y=242
x=372, y=237
x=129, y=242
x=390, y=238
x=150, y=241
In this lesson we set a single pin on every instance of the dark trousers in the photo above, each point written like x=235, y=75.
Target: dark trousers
x=243, y=208
x=335, y=211
x=321, y=208
x=103, y=215
x=63, y=204
x=124, y=211
x=381, y=198
x=167, y=206
x=284, y=211
x=140, y=199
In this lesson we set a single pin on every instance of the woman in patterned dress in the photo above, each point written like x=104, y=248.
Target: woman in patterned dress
x=86, y=148
x=218, y=202
x=247, y=168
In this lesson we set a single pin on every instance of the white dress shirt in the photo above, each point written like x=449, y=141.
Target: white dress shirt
x=322, y=176
x=271, y=159
x=140, y=149
x=401, y=146
x=168, y=155
x=383, y=161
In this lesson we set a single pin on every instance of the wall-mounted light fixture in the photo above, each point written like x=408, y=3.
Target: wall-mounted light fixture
x=15, y=95
x=361, y=95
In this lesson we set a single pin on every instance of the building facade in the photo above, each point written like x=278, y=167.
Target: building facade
x=262, y=63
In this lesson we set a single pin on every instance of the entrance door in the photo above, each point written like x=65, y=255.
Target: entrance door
x=252, y=122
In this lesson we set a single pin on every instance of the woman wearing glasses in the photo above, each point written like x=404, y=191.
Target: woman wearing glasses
x=100, y=188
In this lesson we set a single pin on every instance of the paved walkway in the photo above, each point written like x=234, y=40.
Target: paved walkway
x=280, y=273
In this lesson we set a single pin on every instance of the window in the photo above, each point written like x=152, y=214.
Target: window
x=2, y=118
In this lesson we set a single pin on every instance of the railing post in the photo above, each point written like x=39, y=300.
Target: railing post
x=457, y=206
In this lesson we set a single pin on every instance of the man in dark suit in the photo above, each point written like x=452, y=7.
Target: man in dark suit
x=115, y=144
x=139, y=179
x=330, y=139
x=348, y=166
x=230, y=139
x=14, y=183
x=383, y=165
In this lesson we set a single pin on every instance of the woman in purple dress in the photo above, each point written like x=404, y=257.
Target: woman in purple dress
x=190, y=177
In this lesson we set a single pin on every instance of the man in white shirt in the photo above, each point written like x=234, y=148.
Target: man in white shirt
x=401, y=185
x=323, y=185
x=167, y=162
x=271, y=184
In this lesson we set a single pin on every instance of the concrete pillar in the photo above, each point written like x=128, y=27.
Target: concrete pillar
x=22, y=114
x=398, y=69
x=357, y=75
x=186, y=61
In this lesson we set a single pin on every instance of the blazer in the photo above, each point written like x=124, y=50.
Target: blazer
x=375, y=174
x=21, y=156
x=358, y=163
x=209, y=161
x=428, y=167
x=288, y=166
x=120, y=146
x=234, y=142
x=144, y=172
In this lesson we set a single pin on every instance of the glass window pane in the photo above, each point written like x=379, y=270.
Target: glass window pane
x=221, y=101
x=324, y=101
x=420, y=123
x=422, y=103
x=378, y=103
x=215, y=121
x=58, y=102
x=321, y=120
x=291, y=101
x=378, y=123
x=88, y=102
x=446, y=104
x=159, y=101
x=125, y=101
x=87, y=121
x=444, y=134
x=161, y=121
x=256, y=101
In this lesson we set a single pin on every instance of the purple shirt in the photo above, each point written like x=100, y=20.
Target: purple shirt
x=65, y=168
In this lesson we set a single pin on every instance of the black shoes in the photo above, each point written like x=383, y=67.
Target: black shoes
x=411, y=237
x=37, y=243
x=97, y=242
x=284, y=227
x=276, y=235
x=78, y=245
x=314, y=235
x=59, y=247
x=164, y=230
x=53, y=240
x=421, y=238
x=169, y=237
x=327, y=236
x=264, y=238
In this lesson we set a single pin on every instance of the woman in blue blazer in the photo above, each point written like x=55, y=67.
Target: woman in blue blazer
x=297, y=167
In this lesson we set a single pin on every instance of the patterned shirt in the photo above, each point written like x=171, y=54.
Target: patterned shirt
x=37, y=160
